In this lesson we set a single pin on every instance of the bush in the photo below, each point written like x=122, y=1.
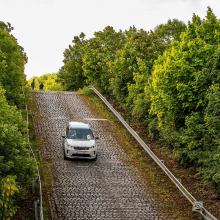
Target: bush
x=15, y=159
x=8, y=189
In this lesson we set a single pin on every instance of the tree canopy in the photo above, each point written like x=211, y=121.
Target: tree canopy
x=12, y=60
x=16, y=164
x=182, y=88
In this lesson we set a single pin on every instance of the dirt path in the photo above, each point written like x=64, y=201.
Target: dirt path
x=109, y=188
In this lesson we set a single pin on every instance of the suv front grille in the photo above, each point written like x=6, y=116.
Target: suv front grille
x=81, y=148
x=81, y=155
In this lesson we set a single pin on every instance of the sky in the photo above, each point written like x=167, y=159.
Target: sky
x=45, y=28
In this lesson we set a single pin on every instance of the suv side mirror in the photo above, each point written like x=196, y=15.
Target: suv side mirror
x=63, y=136
x=96, y=138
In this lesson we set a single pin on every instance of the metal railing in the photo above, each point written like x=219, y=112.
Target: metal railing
x=197, y=205
x=39, y=203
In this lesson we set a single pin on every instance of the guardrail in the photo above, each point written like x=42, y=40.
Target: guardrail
x=197, y=206
x=38, y=205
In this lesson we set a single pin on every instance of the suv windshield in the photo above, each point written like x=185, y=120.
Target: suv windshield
x=80, y=134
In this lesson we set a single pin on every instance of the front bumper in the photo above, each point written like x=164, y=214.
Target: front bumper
x=72, y=153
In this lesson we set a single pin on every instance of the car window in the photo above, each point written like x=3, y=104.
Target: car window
x=80, y=134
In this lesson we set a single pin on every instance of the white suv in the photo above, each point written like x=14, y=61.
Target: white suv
x=79, y=141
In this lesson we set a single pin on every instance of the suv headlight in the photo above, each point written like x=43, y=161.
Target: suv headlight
x=69, y=146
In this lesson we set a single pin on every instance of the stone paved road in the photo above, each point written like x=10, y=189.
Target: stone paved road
x=109, y=188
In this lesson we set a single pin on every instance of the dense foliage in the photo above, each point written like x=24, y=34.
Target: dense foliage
x=184, y=96
x=12, y=60
x=72, y=73
x=49, y=81
x=167, y=78
x=16, y=165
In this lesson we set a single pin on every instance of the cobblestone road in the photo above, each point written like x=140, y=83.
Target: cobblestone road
x=109, y=188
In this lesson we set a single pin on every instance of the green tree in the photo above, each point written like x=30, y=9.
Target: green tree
x=8, y=189
x=126, y=63
x=15, y=157
x=170, y=31
x=211, y=162
x=132, y=67
x=71, y=73
x=50, y=81
x=12, y=60
x=157, y=42
x=99, y=53
x=182, y=89
x=16, y=166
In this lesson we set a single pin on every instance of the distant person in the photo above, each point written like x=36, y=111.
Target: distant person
x=33, y=84
x=41, y=86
